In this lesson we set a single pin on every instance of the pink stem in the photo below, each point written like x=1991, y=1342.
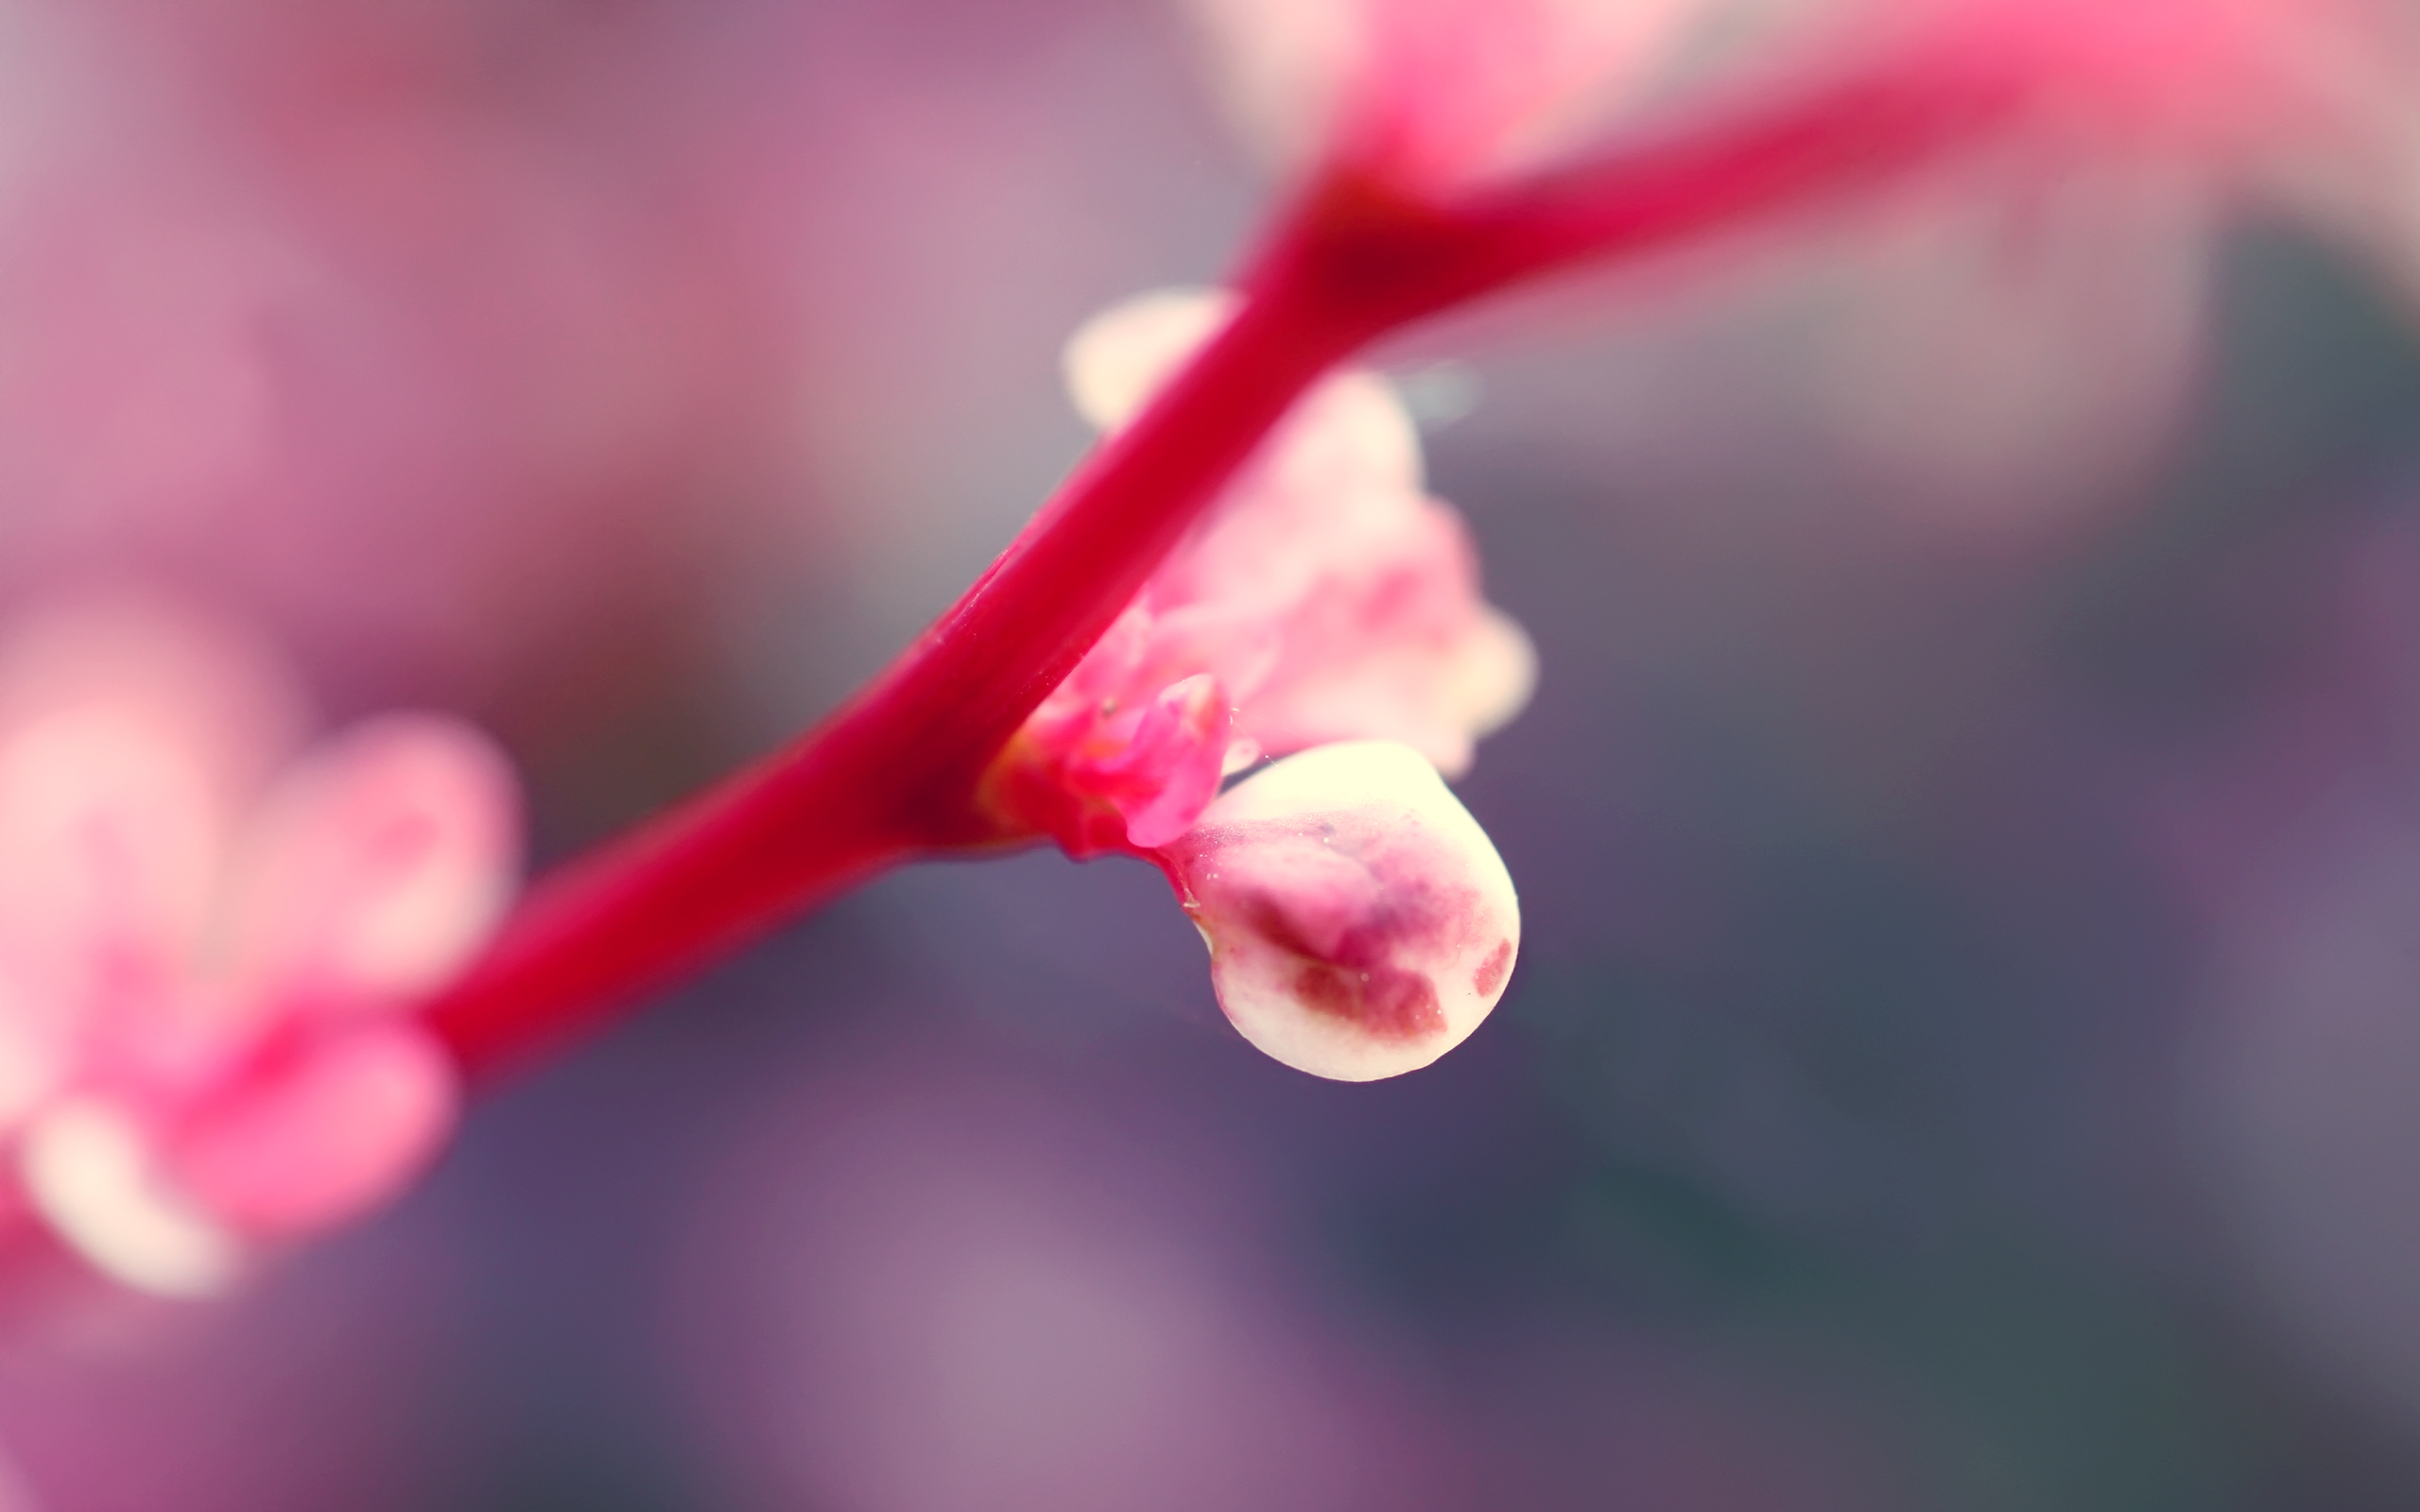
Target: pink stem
x=889, y=776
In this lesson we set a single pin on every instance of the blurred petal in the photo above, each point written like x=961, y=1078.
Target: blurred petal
x=131, y=735
x=109, y=842
x=1393, y=643
x=1283, y=66
x=1326, y=594
x=1120, y=359
x=324, y=1139
x=377, y=865
x=1349, y=425
x=34, y=1055
x=1360, y=922
x=95, y=1179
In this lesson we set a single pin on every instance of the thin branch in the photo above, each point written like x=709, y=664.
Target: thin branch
x=891, y=776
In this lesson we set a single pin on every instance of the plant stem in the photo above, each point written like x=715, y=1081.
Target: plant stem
x=891, y=776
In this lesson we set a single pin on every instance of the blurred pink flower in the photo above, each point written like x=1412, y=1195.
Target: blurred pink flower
x=205, y=946
x=2311, y=106
x=2018, y=326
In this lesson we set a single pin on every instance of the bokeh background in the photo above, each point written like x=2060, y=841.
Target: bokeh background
x=1963, y=1052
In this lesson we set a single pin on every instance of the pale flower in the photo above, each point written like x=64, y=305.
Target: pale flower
x=1326, y=597
x=1359, y=921
x=207, y=950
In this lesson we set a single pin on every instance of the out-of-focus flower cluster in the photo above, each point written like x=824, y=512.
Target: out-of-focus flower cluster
x=1328, y=606
x=2005, y=335
x=1439, y=92
x=1440, y=95
x=206, y=939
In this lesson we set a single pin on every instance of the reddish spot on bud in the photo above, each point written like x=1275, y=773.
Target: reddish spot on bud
x=1383, y=1001
x=1492, y=971
x=1329, y=598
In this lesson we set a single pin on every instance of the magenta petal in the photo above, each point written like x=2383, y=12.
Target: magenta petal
x=323, y=1140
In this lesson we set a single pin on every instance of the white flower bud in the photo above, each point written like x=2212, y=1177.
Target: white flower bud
x=1360, y=922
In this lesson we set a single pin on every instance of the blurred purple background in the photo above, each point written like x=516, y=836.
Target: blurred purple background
x=1969, y=825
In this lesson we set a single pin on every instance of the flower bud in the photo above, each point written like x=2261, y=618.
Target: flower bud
x=1327, y=597
x=1360, y=922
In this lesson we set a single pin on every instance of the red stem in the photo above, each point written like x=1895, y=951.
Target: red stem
x=889, y=776
x=1375, y=258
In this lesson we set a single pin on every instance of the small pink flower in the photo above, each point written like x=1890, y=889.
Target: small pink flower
x=206, y=950
x=1327, y=597
x=1361, y=923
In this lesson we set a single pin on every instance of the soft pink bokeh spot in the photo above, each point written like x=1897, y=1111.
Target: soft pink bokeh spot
x=206, y=948
x=1328, y=606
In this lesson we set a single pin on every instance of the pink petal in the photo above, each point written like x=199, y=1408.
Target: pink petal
x=1109, y=774
x=222, y=697
x=36, y=1048
x=130, y=737
x=324, y=1139
x=376, y=866
x=1120, y=359
x=94, y=1174
x=1169, y=770
x=110, y=843
x=1328, y=597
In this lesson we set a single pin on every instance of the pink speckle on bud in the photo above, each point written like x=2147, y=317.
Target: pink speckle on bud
x=92, y=1172
x=1360, y=922
x=203, y=970
x=1326, y=598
